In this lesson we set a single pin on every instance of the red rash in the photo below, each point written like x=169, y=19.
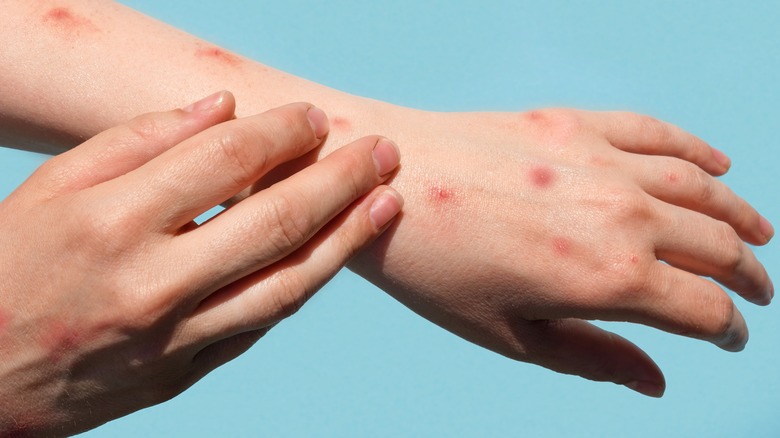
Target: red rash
x=542, y=177
x=561, y=246
x=671, y=177
x=66, y=21
x=634, y=259
x=218, y=54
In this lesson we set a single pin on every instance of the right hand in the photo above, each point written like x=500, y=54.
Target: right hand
x=113, y=299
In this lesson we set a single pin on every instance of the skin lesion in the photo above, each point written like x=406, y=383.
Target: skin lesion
x=439, y=195
x=541, y=177
x=67, y=22
x=219, y=55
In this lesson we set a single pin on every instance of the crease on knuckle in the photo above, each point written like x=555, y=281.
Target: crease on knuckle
x=650, y=127
x=721, y=321
x=289, y=225
x=703, y=183
x=244, y=154
x=147, y=128
x=290, y=293
x=732, y=252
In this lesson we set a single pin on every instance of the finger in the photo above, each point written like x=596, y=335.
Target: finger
x=212, y=166
x=573, y=346
x=126, y=147
x=275, y=293
x=222, y=352
x=686, y=185
x=645, y=135
x=280, y=219
x=705, y=246
x=672, y=300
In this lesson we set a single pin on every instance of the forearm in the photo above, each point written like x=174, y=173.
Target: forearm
x=72, y=69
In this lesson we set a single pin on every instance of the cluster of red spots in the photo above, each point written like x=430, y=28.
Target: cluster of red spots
x=542, y=177
x=561, y=246
x=219, y=55
x=64, y=20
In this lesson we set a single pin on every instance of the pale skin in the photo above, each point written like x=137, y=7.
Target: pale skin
x=517, y=229
x=114, y=299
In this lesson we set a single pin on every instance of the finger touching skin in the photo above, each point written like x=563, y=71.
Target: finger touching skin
x=284, y=216
x=261, y=299
x=214, y=165
x=124, y=148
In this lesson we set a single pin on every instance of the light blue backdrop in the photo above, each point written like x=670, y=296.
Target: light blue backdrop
x=354, y=362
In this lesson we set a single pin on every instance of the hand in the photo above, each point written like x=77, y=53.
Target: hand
x=523, y=226
x=113, y=299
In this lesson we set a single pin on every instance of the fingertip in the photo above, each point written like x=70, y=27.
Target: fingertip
x=386, y=155
x=385, y=207
x=722, y=159
x=766, y=229
x=318, y=121
x=210, y=103
x=650, y=389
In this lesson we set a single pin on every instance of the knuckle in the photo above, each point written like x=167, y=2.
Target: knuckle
x=242, y=154
x=103, y=229
x=554, y=126
x=732, y=250
x=146, y=128
x=650, y=127
x=290, y=294
x=703, y=184
x=289, y=225
x=628, y=206
x=722, y=316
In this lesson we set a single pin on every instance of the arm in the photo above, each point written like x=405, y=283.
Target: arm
x=517, y=227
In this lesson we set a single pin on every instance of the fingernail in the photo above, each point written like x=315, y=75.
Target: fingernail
x=318, y=121
x=206, y=103
x=721, y=158
x=386, y=156
x=766, y=228
x=649, y=389
x=385, y=208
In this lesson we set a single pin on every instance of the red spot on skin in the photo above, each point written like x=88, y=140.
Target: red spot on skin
x=671, y=177
x=439, y=195
x=634, y=259
x=218, y=55
x=542, y=177
x=561, y=246
x=58, y=339
x=68, y=23
x=341, y=123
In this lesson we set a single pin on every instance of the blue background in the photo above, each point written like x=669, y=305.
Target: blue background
x=354, y=362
